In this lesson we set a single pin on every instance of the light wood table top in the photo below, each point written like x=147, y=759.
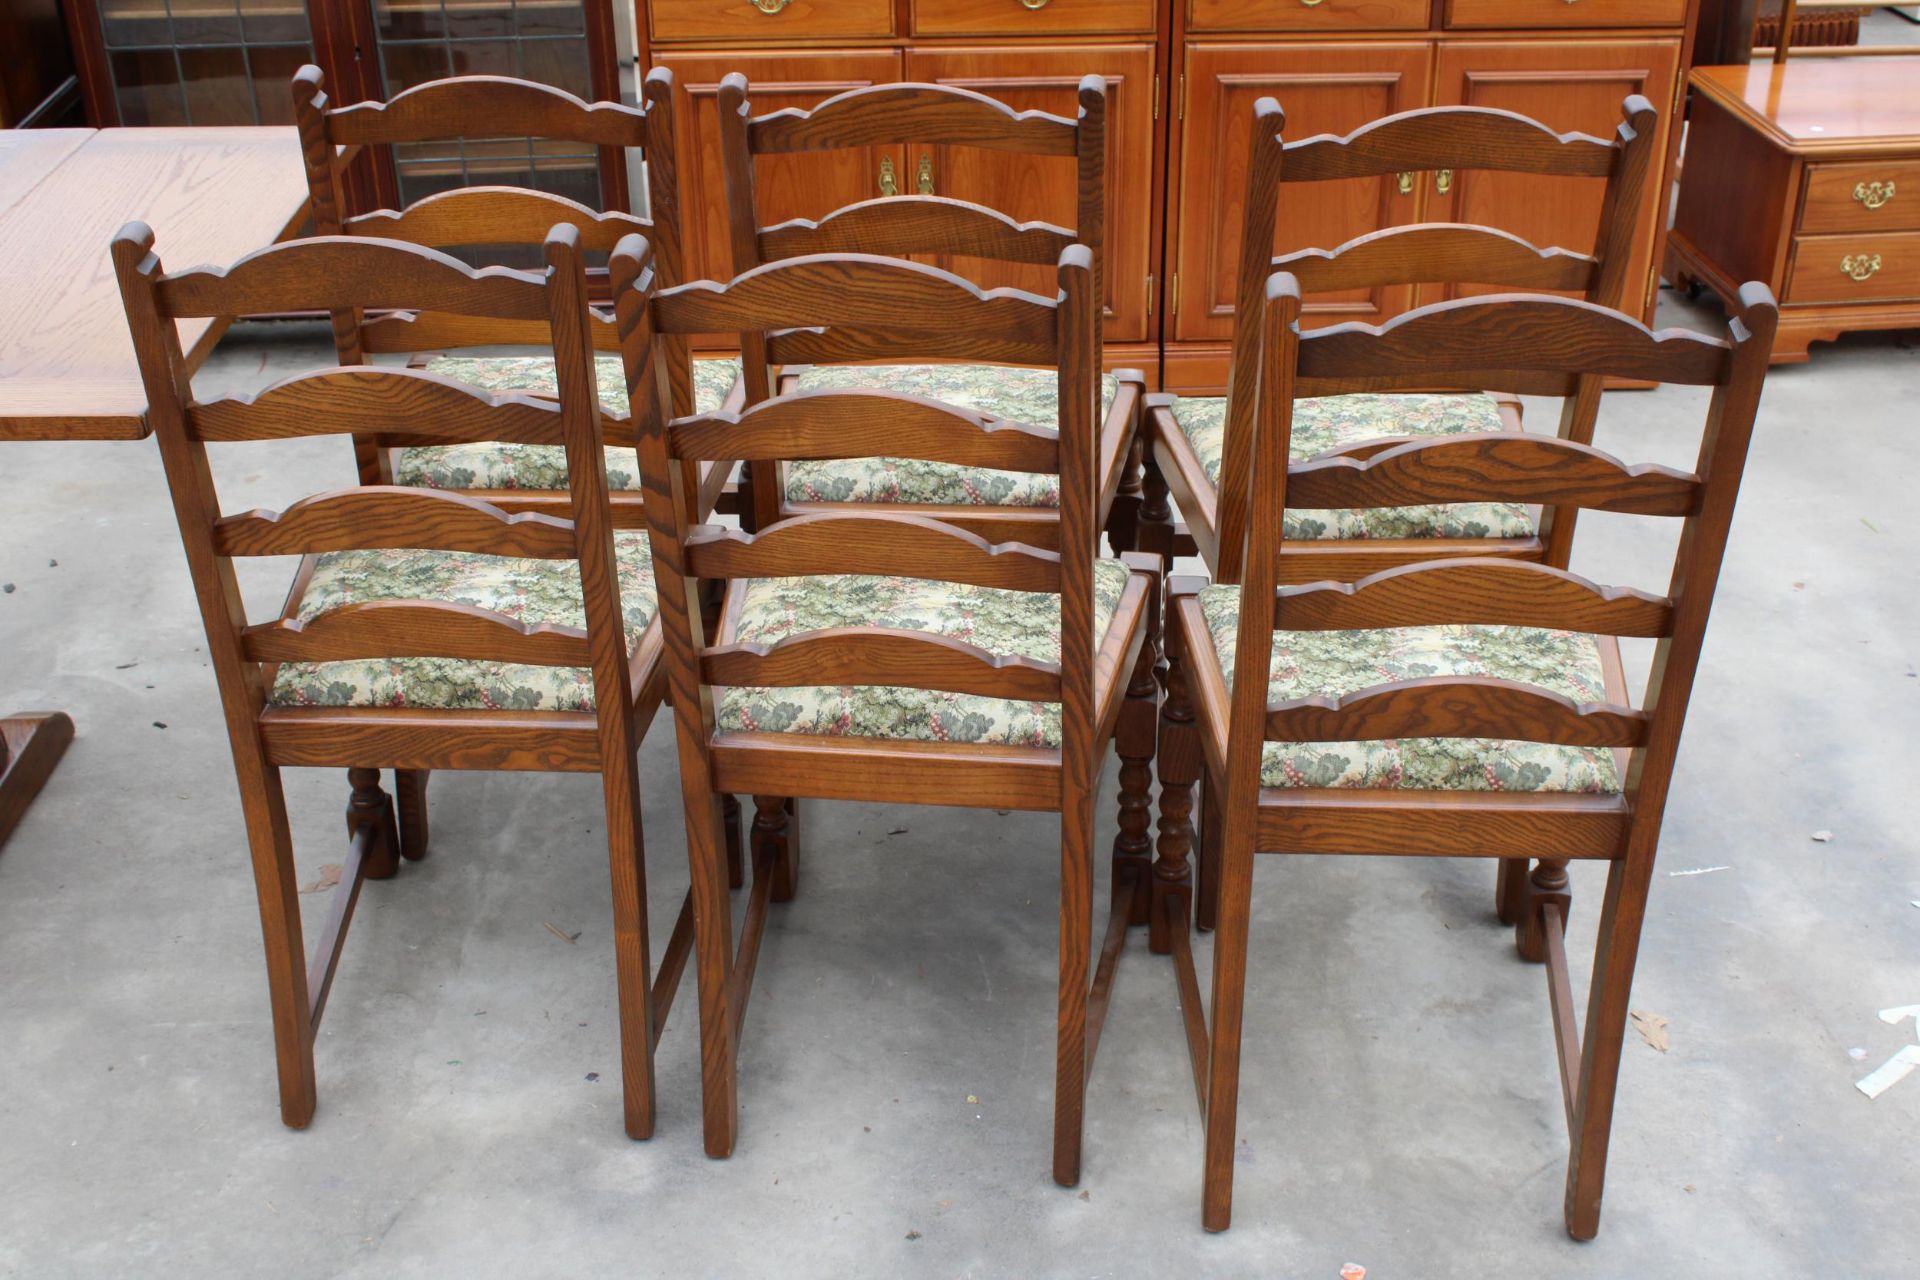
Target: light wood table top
x=1816, y=104
x=67, y=370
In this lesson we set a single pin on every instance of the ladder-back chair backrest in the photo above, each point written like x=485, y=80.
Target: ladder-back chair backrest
x=477, y=218
x=1456, y=138
x=1531, y=345
x=900, y=225
x=883, y=296
x=339, y=273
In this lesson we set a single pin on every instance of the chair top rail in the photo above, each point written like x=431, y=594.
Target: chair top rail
x=486, y=106
x=843, y=345
x=880, y=657
x=908, y=113
x=1456, y=707
x=415, y=629
x=372, y=517
x=406, y=332
x=337, y=273
x=1448, y=138
x=882, y=544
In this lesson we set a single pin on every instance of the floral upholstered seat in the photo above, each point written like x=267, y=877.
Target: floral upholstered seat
x=495, y=465
x=1335, y=663
x=1004, y=623
x=527, y=591
x=998, y=391
x=1334, y=422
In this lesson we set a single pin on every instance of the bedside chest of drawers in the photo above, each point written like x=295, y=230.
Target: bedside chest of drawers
x=1806, y=176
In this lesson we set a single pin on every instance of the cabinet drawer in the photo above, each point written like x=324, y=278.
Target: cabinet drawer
x=1030, y=17
x=1855, y=268
x=1307, y=15
x=1881, y=195
x=769, y=19
x=1566, y=13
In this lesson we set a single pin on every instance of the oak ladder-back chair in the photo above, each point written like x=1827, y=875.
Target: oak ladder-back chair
x=864, y=653
x=994, y=503
x=478, y=219
x=534, y=648
x=1467, y=706
x=1202, y=445
x=514, y=476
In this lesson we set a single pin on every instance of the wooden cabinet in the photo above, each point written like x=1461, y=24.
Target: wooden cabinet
x=1568, y=85
x=1807, y=177
x=804, y=186
x=37, y=83
x=1043, y=187
x=1327, y=88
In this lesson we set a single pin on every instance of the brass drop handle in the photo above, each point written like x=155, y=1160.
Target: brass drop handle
x=1873, y=194
x=1311, y=3
x=888, y=186
x=1860, y=266
x=771, y=7
x=1443, y=181
x=1406, y=182
x=1033, y=4
x=924, y=178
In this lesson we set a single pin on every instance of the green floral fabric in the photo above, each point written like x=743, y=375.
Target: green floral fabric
x=1333, y=422
x=1022, y=623
x=528, y=591
x=493, y=465
x=998, y=391
x=1334, y=663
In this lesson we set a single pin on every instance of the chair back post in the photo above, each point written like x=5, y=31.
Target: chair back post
x=1258, y=217
x=743, y=236
x=1090, y=211
x=665, y=239
x=591, y=509
x=1613, y=249
x=1078, y=321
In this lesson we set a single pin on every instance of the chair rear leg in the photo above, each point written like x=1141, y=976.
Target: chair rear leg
x=1235, y=880
x=369, y=806
x=410, y=799
x=736, y=859
x=1206, y=871
x=713, y=974
x=1179, y=762
x=276, y=887
x=1076, y=939
x=1134, y=741
x=632, y=951
x=776, y=829
x=1615, y=953
x=1549, y=877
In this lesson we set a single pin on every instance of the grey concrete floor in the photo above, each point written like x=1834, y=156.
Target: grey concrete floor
x=1399, y=1108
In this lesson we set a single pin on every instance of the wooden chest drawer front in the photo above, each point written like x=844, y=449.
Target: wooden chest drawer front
x=1307, y=15
x=769, y=19
x=1855, y=268
x=1031, y=17
x=1879, y=195
x=1566, y=13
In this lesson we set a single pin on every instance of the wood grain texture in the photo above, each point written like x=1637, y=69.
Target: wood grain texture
x=1516, y=467
x=913, y=113
x=864, y=424
x=449, y=108
x=31, y=744
x=373, y=516
x=1444, y=137
x=330, y=272
x=1472, y=592
x=1414, y=255
x=492, y=216
x=1455, y=707
x=876, y=543
x=67, y=367
x=365, y=399
x=906, y=224
x=871, y=656
x=414, y=629
x=1482, y=337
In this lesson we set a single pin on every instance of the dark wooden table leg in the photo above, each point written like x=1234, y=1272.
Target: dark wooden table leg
x=31, y=743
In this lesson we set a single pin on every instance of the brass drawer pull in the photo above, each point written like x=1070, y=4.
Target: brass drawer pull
x=1033, y=4
x=1405, y=182
x=770, y=7
x=888, y=186
x=1873, y=194
x=1859, y=267
x=1309, y=3
x=924, y=178
x=1443, y=181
